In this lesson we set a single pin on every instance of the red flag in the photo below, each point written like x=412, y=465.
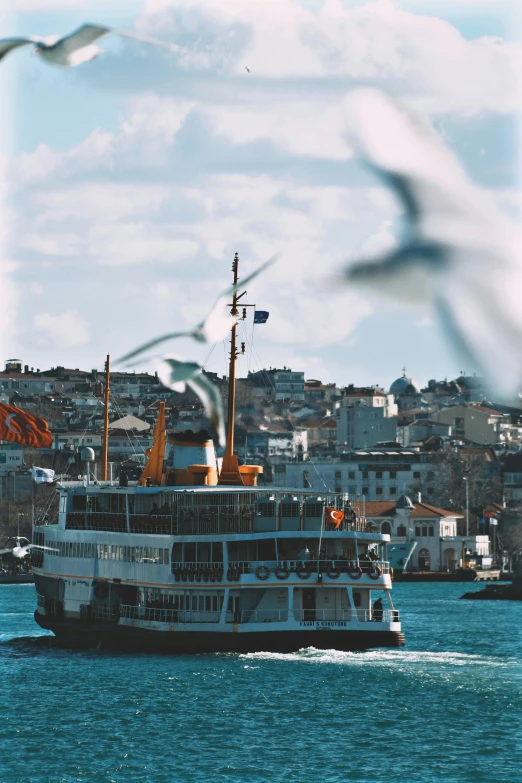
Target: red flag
x=17, y=426
x=333, y=517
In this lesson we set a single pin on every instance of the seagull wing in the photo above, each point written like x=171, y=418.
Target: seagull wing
x=173, y=370
x=147, y=39
x=152, y=344
x=36, y=546
x=245, y=280
x=211, y=399
x=219, y=322
x=408, y=155
x=6, y=550
x=86, y=35
x=9, y=44
x=479, y=308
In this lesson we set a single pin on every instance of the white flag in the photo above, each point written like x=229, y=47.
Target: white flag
x=43, y=475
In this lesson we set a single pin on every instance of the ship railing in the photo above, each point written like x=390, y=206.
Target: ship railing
x=323, y=566
x=204, y=571
x=316, y=615
x=105, y=612
x=168, y=615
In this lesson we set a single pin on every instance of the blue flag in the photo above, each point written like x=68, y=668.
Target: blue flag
x=260, y=316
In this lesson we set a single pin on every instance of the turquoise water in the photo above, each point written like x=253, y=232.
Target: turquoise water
x=448, y=707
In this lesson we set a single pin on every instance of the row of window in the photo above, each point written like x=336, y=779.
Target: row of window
x=126, y=554
x=381, y=474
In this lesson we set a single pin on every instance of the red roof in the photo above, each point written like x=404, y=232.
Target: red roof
x=386, y=508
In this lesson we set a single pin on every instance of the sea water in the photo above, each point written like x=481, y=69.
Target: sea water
x=447, y=707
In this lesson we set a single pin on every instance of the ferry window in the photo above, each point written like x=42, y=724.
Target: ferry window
x=204, y=552
x=201, y=603
x=418, y=531
x=190, y=553
x=401, y=531
x=217, y=552
x=313, y=510
x=266, y=549
x=166, y=556
x=177, y=553
x=214, y=603
x=233, y=550
x=266, y=509
x=207, y=603
x=356, y=598
x=79, y=503
x=194, y=603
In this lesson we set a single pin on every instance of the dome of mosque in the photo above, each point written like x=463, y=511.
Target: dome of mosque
x=404, y=385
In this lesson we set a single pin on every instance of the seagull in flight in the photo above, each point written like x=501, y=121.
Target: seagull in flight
x=76, y=48
x=21, y=550
x=176, y=374
x=216, y=325
x=460, y=253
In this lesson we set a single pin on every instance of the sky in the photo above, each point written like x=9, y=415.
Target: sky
x=129, y=183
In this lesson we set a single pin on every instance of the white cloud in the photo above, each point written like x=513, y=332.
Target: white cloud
x=68, y=330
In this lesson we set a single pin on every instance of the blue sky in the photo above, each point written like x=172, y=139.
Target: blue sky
x=130, y=182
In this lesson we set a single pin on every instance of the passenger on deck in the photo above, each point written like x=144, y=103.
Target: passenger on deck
x=154, y=510
x=304, y=555
x=378, y=610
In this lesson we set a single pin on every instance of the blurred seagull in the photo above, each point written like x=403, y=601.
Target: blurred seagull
x=74, y=49
x=216, y=325
x=176, y=374
x=21, y=550
x=247, y=68
x=459, y=253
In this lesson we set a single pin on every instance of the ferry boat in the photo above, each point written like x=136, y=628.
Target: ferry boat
x=195, y=556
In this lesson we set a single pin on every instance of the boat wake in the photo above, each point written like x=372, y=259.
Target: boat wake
x=391, y=658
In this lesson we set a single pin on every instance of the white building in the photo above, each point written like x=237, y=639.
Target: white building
x=376, y=474
x=433, y=529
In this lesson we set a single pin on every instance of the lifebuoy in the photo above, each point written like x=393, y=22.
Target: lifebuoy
x=282, y=572
x=303, y=572
x=230, y=575
x=218, y=573
x=183, y=574
x=177, y=574
x=101, y=590
x=333, y=573
x=206, y=574
x=190, y=575
x=262, y=572
x=355, y=573
x=376, y=572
